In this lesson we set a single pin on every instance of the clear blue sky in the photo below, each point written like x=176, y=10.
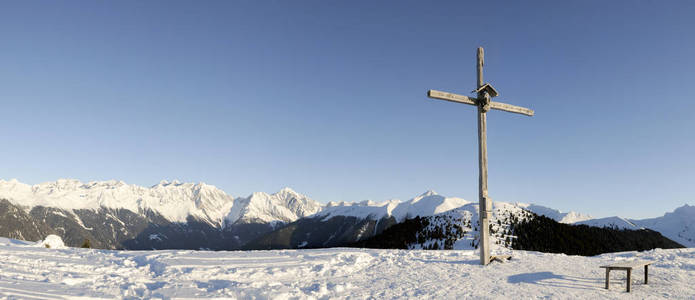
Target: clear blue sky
x=329, y=98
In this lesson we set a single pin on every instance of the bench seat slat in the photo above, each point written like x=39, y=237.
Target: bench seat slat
x=628, y=264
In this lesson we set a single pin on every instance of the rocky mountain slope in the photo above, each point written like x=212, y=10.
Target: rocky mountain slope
x=342, y=223
x=115, y=215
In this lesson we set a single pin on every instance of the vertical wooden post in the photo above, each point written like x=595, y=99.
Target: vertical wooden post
x=646, y=272
x=608, y=276
x=484, y=209
x=629, y=279
x=480, y=61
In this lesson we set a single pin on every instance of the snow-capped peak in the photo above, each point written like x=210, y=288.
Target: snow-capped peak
x=165, y=182
x=678, y=225
x=426, y=204
x=562, y=217
x=175, y=202
x=287, y=190
x=428, y=193
x=685, y=210
x=611, y=222
x=13, y=180
x=286, y=205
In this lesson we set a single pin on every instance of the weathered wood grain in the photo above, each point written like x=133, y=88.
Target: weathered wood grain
x=451, y=97
x=484, y=212
x=480, y=61
x=511, y=108
x=474, y=101
x=628, y=264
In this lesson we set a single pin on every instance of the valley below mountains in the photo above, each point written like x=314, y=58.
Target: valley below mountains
x=175, y=215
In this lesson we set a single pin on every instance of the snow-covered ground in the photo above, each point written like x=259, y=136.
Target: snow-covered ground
x=32, y=271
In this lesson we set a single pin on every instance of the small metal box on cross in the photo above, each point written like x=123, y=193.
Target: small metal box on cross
x=484, y=93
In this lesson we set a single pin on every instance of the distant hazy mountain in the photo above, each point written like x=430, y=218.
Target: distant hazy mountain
x=678, y=225
x=611, y=222
x=561, y=217
x=426, y=204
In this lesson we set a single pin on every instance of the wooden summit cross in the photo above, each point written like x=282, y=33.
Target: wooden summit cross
x=484, y=92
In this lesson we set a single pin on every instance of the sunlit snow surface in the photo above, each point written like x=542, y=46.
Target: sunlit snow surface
x=29, y=271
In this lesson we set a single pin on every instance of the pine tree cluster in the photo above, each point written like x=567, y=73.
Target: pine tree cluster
x=398, y=236
x=547, y=235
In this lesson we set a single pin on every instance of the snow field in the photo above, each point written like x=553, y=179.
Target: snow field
x=27, y=271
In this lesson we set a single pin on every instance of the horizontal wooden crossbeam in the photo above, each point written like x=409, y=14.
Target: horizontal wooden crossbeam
x=474, y=101
x=452, y=97
x=511, y=108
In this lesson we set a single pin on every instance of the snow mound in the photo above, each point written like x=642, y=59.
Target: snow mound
x=51, y=241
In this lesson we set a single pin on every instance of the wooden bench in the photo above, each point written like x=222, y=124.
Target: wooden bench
x=628, y=266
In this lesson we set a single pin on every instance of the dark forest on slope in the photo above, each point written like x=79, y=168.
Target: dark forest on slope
x=546, y=235
x=401, y=235
x=538, y=233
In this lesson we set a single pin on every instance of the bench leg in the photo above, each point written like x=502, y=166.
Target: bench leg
x=646, y=274
x=608, y=276
x=629, y=271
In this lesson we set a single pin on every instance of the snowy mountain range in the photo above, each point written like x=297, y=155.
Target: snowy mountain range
x=427, y=204
x=175, y=201
x=115, y=215
x=678, y=225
